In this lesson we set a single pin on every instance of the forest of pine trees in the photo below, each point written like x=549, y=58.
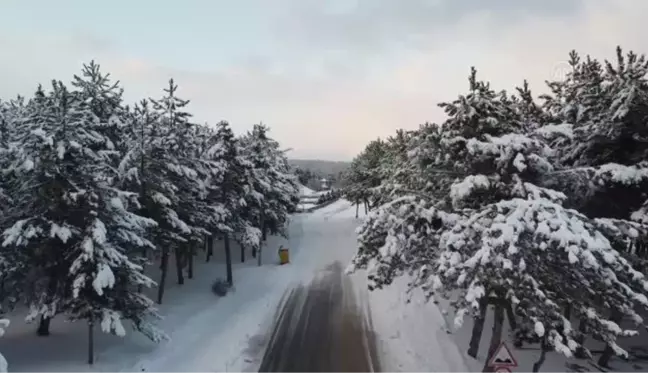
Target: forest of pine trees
x=536, y=207
x=94, y=191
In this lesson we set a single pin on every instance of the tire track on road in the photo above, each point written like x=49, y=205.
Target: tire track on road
x=322, y=327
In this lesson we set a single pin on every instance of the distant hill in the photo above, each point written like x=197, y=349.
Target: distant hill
x=319, y=166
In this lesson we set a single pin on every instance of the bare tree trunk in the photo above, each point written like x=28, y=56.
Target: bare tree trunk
x=140, y=287
x=582, y=328
x=510, y=315
x=164, y=267
x=604, y=360
x=568, y=311
x=259, y=257
x=91, y=340
x=264, y=228
x=357, y=208
x=496, y=337
x=228, y=259
x=2, y=287
x=210, y=248
x=478, y=328
x=43, y=326
x=44, y=323
x=190, y=265
x=242, y=254
x=178, y=260
x=543, y=355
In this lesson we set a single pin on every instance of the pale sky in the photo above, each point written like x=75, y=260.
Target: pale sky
x=326, y=75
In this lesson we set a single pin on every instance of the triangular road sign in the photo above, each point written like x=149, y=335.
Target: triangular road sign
x=502, y=357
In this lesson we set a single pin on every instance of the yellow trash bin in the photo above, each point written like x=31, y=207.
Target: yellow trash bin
x=284, y=258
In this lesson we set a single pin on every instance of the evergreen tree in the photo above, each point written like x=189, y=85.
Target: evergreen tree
x=365, y=176
x=226, y=174
x=605, y=141
x=177, y=135
x=272, y=191
x=39, y=188
x=500, y=236
x=77, y=233
x=144, y=169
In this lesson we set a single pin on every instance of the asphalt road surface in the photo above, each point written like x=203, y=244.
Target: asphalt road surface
x=322, y=328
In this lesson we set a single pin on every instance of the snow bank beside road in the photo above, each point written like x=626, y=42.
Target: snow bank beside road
x=412, y=336
x=340, y=209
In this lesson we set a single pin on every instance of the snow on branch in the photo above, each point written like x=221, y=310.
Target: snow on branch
x=500, y=246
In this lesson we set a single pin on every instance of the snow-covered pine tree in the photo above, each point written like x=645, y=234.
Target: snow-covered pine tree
x=604, y=149
x=8, y=113
x=531, y=114
x=226, y=175
x=75, y=231
x=36, y=186
x=422, y=182
x=144, y=169
x=272, y=189
x=285, y=192
x=256, y=151
x=354, y=189
x=365, y=175
x=177, y=135
x=108, y=263
x=395, y=171
x=104, y=97
x=611, y=133
x=203, y=218
x=440, y=155
x=567, y=298
x=504, y=238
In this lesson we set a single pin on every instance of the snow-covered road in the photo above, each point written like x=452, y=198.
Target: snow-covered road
x=322, y=328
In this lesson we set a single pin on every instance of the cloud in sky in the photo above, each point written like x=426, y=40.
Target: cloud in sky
x=327, y=76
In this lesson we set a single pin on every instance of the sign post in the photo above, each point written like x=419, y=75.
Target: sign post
x=502, y=360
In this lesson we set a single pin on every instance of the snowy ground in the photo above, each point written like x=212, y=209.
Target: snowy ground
x=303, y=206
x=197, y=321
x=305, y=191
x=229, y=334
